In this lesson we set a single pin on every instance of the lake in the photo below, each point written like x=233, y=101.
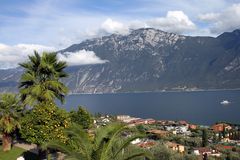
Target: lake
x=199, y=107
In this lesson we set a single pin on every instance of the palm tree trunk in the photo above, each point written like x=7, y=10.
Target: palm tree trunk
x=41, y=153
x=7, y=142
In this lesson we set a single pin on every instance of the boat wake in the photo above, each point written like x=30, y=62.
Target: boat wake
x=225, y=102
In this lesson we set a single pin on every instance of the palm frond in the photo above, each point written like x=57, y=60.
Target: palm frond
x=107, y=144
x=10, y=111
x=124, y=142
x=114, y=132
x=45, y=71
x=140, y=154
x=59, y=146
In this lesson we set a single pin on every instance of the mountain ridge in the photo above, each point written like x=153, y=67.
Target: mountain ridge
x=148, y=59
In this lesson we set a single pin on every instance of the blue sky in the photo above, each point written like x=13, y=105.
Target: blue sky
x=56, y=24
x=62, y=22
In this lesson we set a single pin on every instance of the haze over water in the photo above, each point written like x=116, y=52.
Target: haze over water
x=199, y=107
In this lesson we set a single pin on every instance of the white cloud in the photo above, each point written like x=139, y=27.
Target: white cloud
x=191, y=7
x=82, y=57
x=209, y=16
x=10, y=56
x=62, y=24
x=175, y=21
x=135, y=24
x=227, y=20
x=111, y=26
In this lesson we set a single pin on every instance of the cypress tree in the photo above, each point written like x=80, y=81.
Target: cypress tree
x=204, y=138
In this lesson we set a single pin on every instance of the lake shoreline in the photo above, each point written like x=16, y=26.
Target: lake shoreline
x=160, y=91
x=200, y=107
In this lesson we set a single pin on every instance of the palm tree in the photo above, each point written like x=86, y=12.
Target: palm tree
x=41, y=80
x=107, y=144
x=10, y=111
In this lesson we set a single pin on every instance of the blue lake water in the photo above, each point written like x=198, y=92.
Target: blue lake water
x=200, y=107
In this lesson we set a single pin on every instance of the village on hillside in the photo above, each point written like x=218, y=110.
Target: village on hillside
x=183, y=137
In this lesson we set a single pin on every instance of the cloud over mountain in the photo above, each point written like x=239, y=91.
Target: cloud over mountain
x=111, y=26
x=82, y=57
x=227, y=20
x=10, y=56
x=175, y=21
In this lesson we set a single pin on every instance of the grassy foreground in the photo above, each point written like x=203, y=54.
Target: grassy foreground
x=15, y=153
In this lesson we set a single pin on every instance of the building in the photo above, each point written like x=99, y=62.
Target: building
x=202, y=151
x=150, y=121
x=127, y=119
x=175, y=147
x=192, y=126
x=220, y=127
x=170, y=128
x=185, y=123
x=166, y=122
x=123, y=117
x=206, y=151
x=182, y=129
x=138, y=121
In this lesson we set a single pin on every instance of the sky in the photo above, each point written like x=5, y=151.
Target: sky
x=50, y=25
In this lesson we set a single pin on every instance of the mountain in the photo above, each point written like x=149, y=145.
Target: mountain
x=151, y=60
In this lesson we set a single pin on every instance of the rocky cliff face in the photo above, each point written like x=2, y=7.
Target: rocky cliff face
x=152, y=60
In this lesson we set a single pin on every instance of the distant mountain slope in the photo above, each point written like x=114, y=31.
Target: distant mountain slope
x=9, y=79
x=152, y=60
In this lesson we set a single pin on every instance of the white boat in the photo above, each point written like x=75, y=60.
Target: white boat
x=225, y=102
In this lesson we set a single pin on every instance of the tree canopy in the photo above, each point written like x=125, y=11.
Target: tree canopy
x=10, y=112
x=43, y=123
x=82, y=117
x=107, y=144
x=41, y=80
